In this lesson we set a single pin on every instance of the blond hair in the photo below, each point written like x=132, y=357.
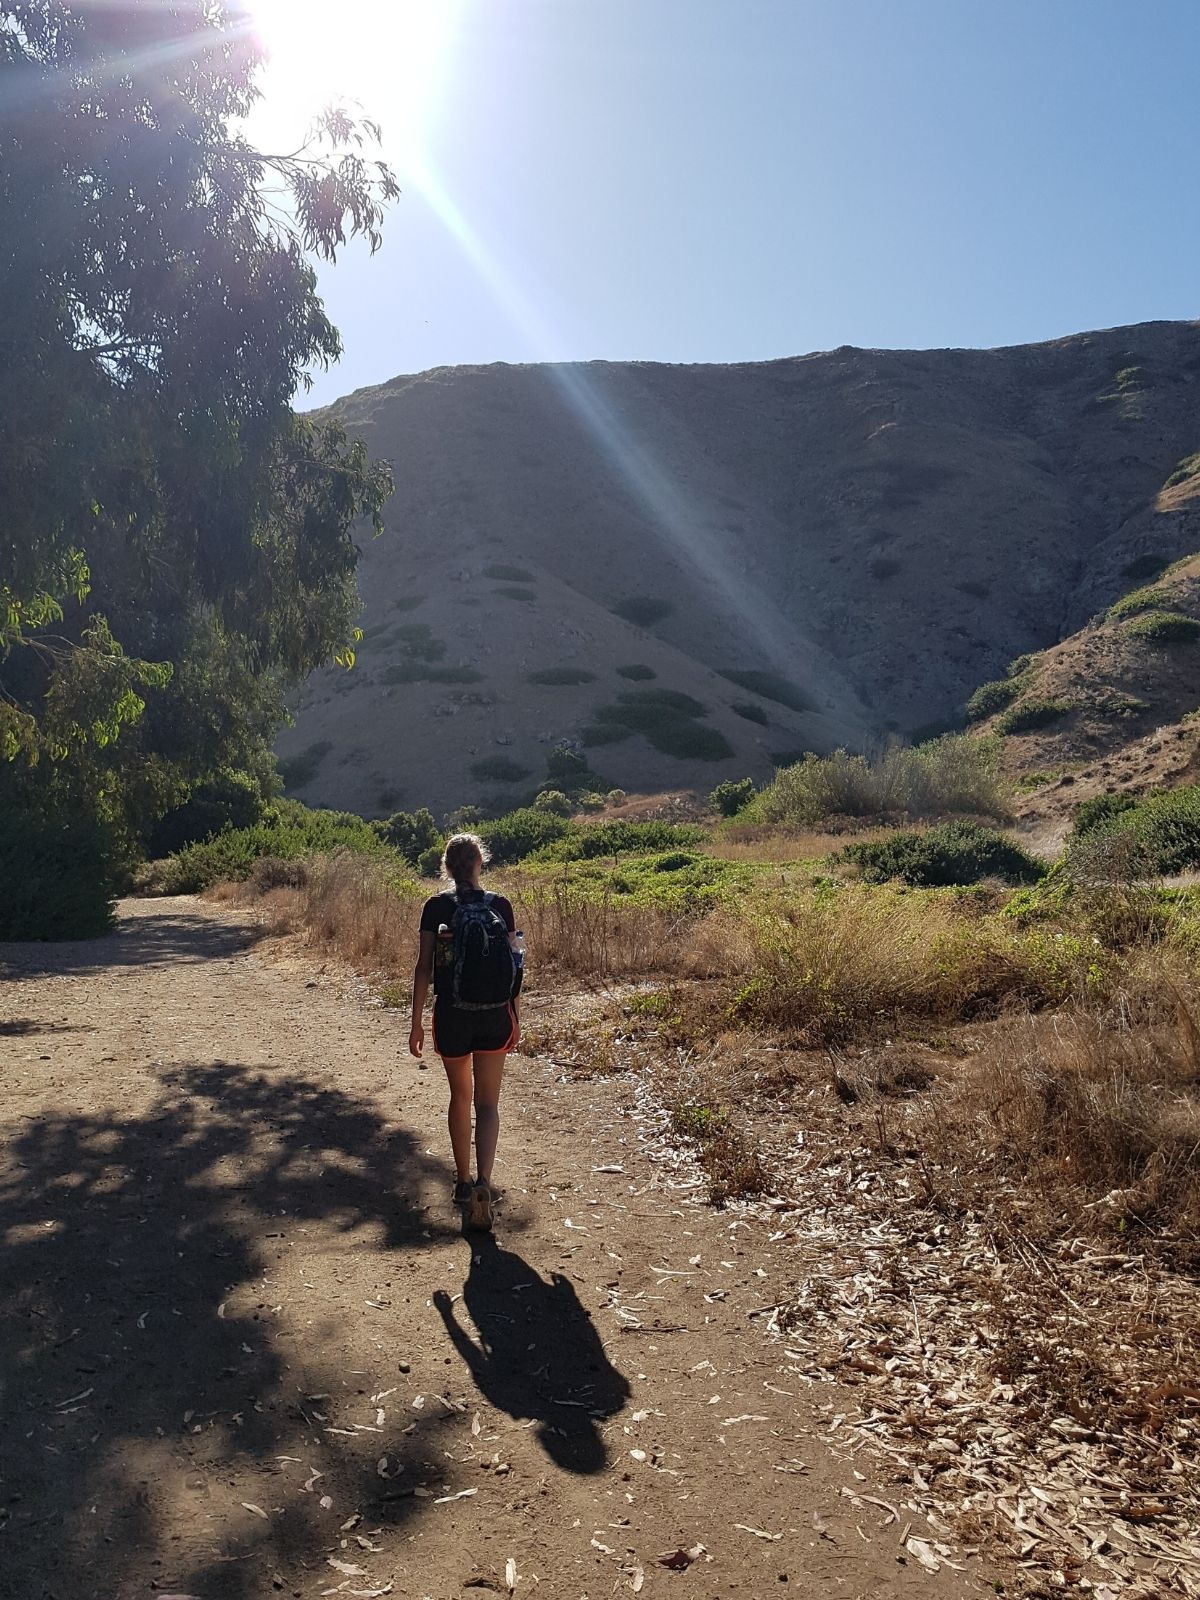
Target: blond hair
x=461, y=854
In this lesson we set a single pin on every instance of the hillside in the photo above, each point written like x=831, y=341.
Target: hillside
x=861, y=537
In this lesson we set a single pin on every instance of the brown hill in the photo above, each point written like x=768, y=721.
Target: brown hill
x=861, y=536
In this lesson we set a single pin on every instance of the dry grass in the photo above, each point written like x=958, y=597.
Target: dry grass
x=1099, y=1102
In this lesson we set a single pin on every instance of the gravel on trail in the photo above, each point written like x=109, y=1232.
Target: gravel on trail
x=247, y=1350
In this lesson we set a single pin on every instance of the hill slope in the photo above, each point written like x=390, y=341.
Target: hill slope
x=870, y=534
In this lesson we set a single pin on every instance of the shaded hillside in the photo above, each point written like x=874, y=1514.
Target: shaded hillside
x=1115, y=707
x=859, y=537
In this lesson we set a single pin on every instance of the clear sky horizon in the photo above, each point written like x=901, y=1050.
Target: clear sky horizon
x=732, y=180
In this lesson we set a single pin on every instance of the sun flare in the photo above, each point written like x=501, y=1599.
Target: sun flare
x=388, y=56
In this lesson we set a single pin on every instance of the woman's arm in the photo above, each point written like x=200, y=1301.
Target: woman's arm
x=422, y=973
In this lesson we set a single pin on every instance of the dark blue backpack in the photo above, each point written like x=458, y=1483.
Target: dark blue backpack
x=484, y=971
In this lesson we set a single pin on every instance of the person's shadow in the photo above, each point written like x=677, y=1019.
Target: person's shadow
x=537, y=1354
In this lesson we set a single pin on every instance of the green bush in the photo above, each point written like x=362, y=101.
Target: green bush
x=1018, y=667
x=300, y=769
x=429, y=862
x=1145, y=567
x=615, y=797
x=501, y=769
x=637, y=673
x=517, y=835
x=590, y=800
x=561, y=677
x=1164, y=627
x=959, y=773
x=59, y=878
x=665, y=717
x=1189, y=467
x=991, y=697
x=1099, y=812
x=591, y=840
x=422, y=672
x=287, y=829
x=727, y=799
x=568, y=766
x=772, y=686
x=953, y=853
x=750, y=711
x=228, y=799
x=1164, y=827
x=555, y=801
x=504, y=574
x=601, y=733
x=410, y=833
x=642, y=610
x=1152, y=598
x=1031, y=713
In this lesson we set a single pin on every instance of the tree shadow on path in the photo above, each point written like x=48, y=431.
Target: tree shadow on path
x=151, y=1393
x=537, y=1354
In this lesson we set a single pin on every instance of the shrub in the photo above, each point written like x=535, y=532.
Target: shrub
x=601, y=733
x=408, y=602
x=561, y=677
x=1164, y=627
x=508, y=592
x=429, y=862
x=591, y=801
x=1149, y=599
x=554, y=800
x=1018, y=667
x=1099, y=812
x=637, y=673
x=410, y=833
x=228, y=799
x=1189, y=467
x=300, y=769
x=287, y=829
x=1145, y=567
x=59, y=878
x=422, y=672
x=957, y=774
x=991, y=697
x=570, y=766
x=417, y=641
x=1034, y=712
x=520, y=833
x=615, y=797
x=954, y=853
x=642, y=610
x=502, y=769
x=506, y=574
x=727, y=799
x=1163, y=829
x=772, y=686
x=590, y=841
x=667, y=718
x=751, y=712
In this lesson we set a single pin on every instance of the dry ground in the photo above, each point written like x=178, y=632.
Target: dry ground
x=246, y=1350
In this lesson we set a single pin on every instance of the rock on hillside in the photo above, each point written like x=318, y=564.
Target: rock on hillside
x=860, y=537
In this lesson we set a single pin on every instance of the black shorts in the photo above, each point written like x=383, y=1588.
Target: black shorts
x=460, y=1033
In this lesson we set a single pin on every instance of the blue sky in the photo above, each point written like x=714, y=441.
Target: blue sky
x=722, y=180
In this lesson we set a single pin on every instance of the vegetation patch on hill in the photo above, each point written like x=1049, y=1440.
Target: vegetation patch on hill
x=561, y=677
x=668, y=718
x=1164, y=627
x=771, y=686
x=952, y=853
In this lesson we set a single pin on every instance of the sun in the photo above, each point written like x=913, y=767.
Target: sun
x=387, y=56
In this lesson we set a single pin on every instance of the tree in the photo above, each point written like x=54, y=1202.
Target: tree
x=176, y=544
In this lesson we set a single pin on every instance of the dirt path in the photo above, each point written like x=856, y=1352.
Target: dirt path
x=245, y=1349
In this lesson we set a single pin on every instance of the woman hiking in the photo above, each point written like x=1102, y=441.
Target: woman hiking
x=470, y=950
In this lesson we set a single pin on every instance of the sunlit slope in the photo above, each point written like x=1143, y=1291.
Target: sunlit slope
x=874, y=533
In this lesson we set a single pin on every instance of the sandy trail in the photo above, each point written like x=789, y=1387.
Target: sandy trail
x=246, y=1350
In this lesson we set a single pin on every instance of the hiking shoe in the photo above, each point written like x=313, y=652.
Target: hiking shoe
x=463, y=1190
x=480, y=1214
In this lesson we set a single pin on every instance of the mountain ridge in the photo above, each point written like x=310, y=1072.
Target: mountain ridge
x=872, y=533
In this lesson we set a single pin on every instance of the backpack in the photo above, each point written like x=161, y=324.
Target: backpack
x=483, y=971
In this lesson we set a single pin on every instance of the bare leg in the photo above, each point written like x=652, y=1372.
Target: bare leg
x=489, y=1074
x=458, y=1072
